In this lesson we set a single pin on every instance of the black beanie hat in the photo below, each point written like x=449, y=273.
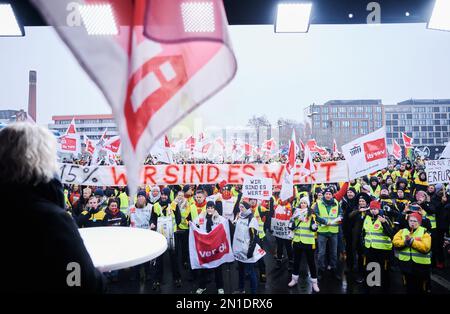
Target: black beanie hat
x=210, y=204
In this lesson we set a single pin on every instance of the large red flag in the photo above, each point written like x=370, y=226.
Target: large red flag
x=167, y=59
x=407, y=141
x=397, y=150
x=71, y=129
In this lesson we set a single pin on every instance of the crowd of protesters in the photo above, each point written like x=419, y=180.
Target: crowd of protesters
x=392, y=217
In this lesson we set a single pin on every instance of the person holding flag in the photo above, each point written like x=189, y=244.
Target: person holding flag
x=245, y=246
x=207, y=221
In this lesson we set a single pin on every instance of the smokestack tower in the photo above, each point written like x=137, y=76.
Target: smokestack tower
x=32, y=95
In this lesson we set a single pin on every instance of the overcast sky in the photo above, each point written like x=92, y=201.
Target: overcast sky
x=278, y=74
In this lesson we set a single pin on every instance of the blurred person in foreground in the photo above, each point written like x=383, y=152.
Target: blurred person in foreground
x=42, y=247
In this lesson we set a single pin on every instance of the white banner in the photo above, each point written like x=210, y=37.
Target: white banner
x=366, y=154
x=210, y=250
x=326, y=172
x=257, y=188
x=438, y=171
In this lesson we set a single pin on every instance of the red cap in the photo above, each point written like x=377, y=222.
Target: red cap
x=417, y=215
x=375, y=205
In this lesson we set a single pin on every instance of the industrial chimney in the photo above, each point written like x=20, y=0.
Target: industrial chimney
x=32, y=95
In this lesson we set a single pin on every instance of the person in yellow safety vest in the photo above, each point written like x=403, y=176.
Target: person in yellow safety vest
x=124, y=200
x=413, y=245
x=355, y=184
x=199, y=205
x=377, y=235
x=420, y=183
x=92, y=216
x=387, y=203
x=164, y=208
x=375, y=187
x=402, y=172
x=67, y=205
x=235, y=190
x=303, y=224
x=402, y=184
x=262, y=215
x=329, y=215
x=182, y=233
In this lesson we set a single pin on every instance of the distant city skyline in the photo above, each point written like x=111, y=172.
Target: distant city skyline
x=278, y=74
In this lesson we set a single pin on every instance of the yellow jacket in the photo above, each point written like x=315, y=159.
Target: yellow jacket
x=423, y=245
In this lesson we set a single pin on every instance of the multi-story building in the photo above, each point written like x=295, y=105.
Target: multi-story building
x=92, y=126
x=7, y=116
x=426, y=120
x=343, y=120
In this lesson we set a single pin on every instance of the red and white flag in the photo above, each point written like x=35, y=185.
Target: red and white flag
x=269, y=145
x=396, y=150
x=190, y=143
x=210, y=249
x=166, y=142
x=71, y=129
x=221, y=143
x=206, y=147
x=113, y=144
x=366, y=154
x=90, y=147
x=167, y=58
x=308, y=163
x=248, y=150
x=287, y=187
x=302, y=145
x=407, y=141
x=312, y=145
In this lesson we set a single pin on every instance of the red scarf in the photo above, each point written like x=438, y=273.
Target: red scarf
x=200, y=206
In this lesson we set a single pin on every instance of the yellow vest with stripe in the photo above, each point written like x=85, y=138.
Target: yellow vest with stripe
x=417, y=181
x=257, y=215
x=323, y=212
x=375, y=238
x=432, y=219
x=408, y=253
x=184, y=225
x=157, y=209
x=66, y=199
x=193, y=210
x=377, y=191
x=302, y=231
x=123, y=197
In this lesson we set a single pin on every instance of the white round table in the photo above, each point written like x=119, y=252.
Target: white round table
x=113, y=248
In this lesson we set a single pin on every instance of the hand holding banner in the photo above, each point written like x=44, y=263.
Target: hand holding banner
x=257, y=188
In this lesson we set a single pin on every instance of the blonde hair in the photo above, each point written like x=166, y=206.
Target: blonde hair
x=27, y=154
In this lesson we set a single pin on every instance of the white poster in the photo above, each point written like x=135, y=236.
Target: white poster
x=366, y=154
x=438, y=171
x=257, y=188
x=165, y=227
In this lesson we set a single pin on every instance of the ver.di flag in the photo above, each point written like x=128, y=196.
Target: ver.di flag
x=366, y=154
x=167, y=58
x=210, y=249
